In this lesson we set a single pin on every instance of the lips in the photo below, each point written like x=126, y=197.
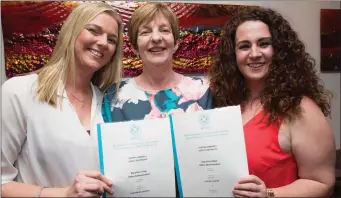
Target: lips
x=96, y=53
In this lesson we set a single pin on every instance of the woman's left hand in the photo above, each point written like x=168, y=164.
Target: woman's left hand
x=250, y=186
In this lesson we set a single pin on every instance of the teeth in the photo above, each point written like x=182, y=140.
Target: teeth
x=256, y=65
x=96, y=53
x=156, y=49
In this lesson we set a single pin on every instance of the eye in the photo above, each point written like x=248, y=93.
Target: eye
x=112, y=41
x=144, y=32
x=92, y=30
x=244, y=46
x=265, y=44
x=165, y=30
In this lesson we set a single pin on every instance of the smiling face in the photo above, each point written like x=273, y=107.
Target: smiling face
x=96, y=44
x=254, y=50
x=155, y=42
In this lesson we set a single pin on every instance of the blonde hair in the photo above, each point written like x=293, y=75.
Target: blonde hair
x=53, y=75
x=146, y=14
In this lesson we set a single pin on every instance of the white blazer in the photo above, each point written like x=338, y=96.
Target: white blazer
x=42, y=145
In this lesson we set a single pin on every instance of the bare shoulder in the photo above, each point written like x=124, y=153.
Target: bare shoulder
x=311, y=116
x=310, y=108
x=311, y=121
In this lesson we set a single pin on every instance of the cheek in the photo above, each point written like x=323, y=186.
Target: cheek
x=83, y=36
x=142, y=42
x=242, y=69
x=269, y=53
x=80, y=44
x=112, y=50
x=171, y=41
x=78, y=48
x=241, y=57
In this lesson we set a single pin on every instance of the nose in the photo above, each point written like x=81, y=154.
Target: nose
x=255, y=52
x=156, y=36
x=102, y=41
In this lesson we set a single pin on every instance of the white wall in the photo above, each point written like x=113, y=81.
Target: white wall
x=304, y=16
x=332, y=81
x=2, y=73
x=2, y=57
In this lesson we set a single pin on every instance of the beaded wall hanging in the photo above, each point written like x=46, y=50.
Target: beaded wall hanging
x=30, y=30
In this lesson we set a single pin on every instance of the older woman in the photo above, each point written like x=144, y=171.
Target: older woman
x=153, y=32
x=263, y=66
x=48, y=148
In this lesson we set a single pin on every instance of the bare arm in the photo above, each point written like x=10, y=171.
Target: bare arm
x=313, y=146
x=86, y=184
x=15, y=189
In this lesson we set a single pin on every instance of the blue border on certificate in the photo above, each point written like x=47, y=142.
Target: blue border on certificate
x=100, y=152
x=176, y=162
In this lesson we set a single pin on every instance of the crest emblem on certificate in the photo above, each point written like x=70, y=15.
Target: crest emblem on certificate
x=135, y=130
x=204, y=120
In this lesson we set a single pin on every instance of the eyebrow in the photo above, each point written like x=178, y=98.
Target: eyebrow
x=99, y=27
x=161, y=26
x=259, y=40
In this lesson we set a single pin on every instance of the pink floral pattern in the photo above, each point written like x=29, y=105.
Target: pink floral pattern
x=191, y=94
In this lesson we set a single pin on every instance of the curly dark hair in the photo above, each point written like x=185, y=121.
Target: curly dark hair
x=291, y=76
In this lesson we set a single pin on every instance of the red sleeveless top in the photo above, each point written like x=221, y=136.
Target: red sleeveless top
x=266, y=160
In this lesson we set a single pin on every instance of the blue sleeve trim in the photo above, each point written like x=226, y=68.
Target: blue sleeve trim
x=176, y=162
x=106, y=110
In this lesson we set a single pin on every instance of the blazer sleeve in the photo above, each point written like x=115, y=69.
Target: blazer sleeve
x=13, y=125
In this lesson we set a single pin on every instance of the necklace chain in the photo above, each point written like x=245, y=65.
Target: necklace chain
x=81, y=101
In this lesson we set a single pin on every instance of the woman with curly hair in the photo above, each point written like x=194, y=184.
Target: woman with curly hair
x=262, y=65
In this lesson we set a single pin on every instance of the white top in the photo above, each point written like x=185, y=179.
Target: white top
x=43, y=145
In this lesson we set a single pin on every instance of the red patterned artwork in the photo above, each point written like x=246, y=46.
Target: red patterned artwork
x=30, y=31
x=331, y=40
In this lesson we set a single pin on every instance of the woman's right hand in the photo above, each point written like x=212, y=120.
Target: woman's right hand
x=89, y=184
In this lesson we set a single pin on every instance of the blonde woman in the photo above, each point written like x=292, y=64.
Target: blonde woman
x=48, y=146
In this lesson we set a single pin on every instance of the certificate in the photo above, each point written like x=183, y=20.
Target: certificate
x=138, y=157
x=205, y=148
x=210, y=152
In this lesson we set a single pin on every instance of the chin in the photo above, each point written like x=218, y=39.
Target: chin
x=256, y=78
x=157, y=64
x=94, y=67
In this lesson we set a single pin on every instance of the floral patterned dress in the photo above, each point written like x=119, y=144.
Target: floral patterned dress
x=135, y=103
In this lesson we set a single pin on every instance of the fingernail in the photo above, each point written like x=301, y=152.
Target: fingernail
x=110, y=182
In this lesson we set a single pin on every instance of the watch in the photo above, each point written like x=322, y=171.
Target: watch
x=270, y=193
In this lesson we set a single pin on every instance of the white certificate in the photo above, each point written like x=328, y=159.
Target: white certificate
x=210, y=152
x=138, y=157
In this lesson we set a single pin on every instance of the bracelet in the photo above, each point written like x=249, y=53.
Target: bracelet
x=270, y=193
x=41, y=189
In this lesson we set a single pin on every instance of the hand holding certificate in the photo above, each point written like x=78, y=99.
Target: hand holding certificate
x=137, y=156
x=211, y=154
x=206, y=148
